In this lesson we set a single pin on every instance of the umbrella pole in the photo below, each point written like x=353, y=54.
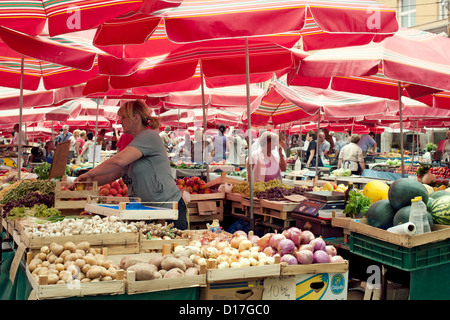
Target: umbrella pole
x=249, y=133
x=301, y=148
x=95, y=139
x=317, y=147
x=202, y=85
x=413, y=144
x=19, y=142
x=401, y=127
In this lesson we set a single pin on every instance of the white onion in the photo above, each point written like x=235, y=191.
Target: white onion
x=264, y=241
x=269, y=251
x=245, y=245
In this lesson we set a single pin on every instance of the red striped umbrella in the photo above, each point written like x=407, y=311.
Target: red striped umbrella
x=59, y=62
x=30, y=16
x=194, y=21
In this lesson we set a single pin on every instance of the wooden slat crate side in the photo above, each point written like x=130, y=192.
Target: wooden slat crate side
x=208, y=218
x=123, y=238
x=147, y=244
x=208, y=196
x=57, y=291
x=279, y=205
x=214, y=275
x=157, y=285
x=314, y=268
x=69, y=204
x=233, y=196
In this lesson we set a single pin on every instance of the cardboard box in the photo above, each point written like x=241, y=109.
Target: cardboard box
x=250, y=289
x=322, y=286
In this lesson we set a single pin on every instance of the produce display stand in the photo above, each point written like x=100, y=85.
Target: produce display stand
x=127, y=209
x=217, y=275
x=319, y=227
x=177, y=173
x=426, y=257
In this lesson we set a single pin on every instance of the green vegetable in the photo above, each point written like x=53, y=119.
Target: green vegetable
x=43, y=170
x=36, y=211
x=358, y=203
x=29, y=186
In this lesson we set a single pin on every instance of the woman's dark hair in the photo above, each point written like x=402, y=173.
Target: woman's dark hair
x=90, y=135
x=222, y=128
x=312, y=134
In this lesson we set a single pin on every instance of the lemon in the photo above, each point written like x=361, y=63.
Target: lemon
x=376, y=190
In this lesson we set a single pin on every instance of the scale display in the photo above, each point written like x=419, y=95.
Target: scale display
x=319, y=209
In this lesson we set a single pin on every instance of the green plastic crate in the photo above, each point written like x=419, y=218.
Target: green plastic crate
x=407, y=259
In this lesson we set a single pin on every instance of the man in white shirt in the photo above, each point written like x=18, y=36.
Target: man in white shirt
x=324, y=145
x=165, y=137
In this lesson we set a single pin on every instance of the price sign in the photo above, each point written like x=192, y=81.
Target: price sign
x=279, y=288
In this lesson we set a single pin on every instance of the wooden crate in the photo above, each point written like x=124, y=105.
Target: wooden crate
x=63, y=197
x=206, y=207
x=156, y=285
x=215, y=275
x=42, y=290
x=287, y=270
x=257, y=208
x=117, y=243
x=113, y=206
x=157, y=245
x=438, y=233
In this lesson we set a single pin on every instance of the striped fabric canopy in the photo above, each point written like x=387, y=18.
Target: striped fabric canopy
x=194, y=21
x=59, y=62
x=416, y=58
x=63, y=16
x=282, y=104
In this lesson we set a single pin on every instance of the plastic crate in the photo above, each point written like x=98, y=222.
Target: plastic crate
x=407, y=259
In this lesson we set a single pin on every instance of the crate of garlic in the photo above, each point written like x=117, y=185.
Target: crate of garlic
x=70, y=270
x=120, y=237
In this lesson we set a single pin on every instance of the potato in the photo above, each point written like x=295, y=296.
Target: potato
x=59, y=260
x=81, y=252
x=85, y=280
x=156, y=260
x=51, y=257
x=43, y=271
x=162, y=272
x=191, y=272
x=94, y=272
x=65, y=275
x=171, y=263
x=70, y=246
x=61, y=282
x=32, y=266
x=187, y=261
x=86, y=268
x=90, y=260
x=129, y=261
x=40, y=255
x=144, y=271
x=59, y=267
x=107, y=263
x=80, y=263
x=56, y=249
x=64, y=254
x=70, y=257
x=107, y=278
x=174, y=273
x=53, y=278
x=84, y=245
x=157, y=275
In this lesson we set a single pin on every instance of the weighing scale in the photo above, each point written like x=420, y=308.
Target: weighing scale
x=321, y=204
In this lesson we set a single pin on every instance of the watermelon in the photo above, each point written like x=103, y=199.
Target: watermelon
x=440, y=193
x=402, y=216
x=440, y=210
x=403, y=190
x=381, y=214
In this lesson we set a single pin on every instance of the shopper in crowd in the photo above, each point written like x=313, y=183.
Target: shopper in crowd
x=58, y=136
x=78, y=146
x=324, y=146
x=367, y=142
x=351, y=156
x=329, y=138
x=221, y=145
x=84, y=154
x=143, y=164
x=311, y=151
x=166, y=138
x=123, y=141
x=268, y=160
x=443, y=149
x=348, y=136
x=64, y=135
x=49, y=150
x=236, y=147
x=37, y=155
x=340, y=143
x=101, y=140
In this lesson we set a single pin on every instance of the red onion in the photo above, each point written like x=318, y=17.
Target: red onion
x=307, y=247
x=289, y=258
x=285, y=246
x=321, y=256
x=264, y=241
x=304, y=256
x=254, y=239
x=307, y=236
x=336, y=259
x=275, y=239
x=331, y=250
x=318, y=244
x=296, y=236
x=269, y=251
